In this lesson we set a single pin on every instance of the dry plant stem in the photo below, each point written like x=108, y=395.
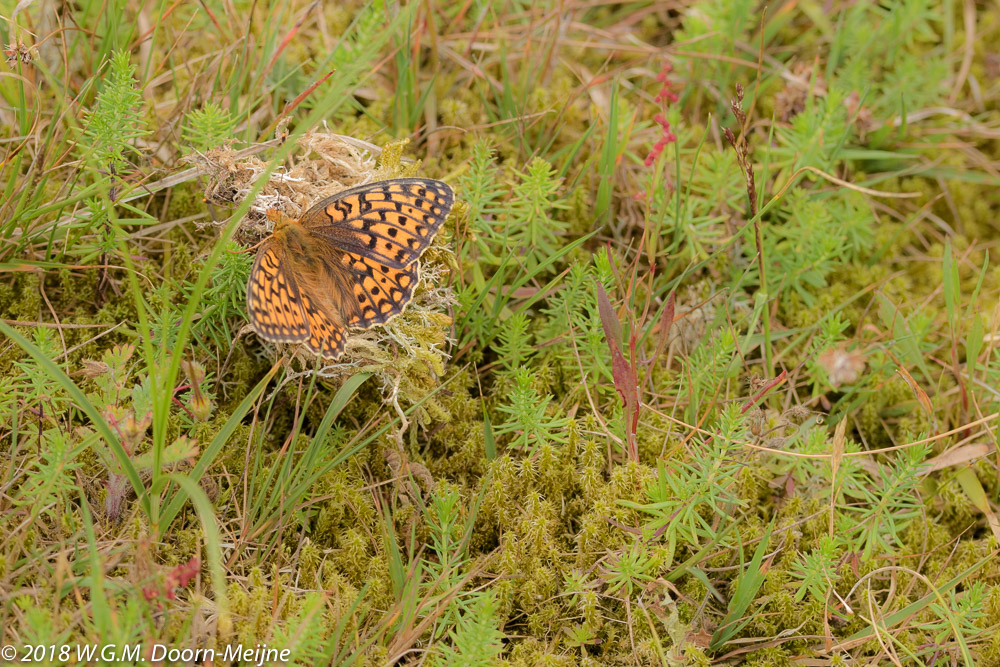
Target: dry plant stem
x=404, y=423
x=743, y=159
x=838, y=454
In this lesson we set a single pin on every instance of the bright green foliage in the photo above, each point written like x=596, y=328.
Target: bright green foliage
x=881, y=51
x=444, y=521
x=817, y=569
x=475, y=641
x=807, y=254
x=628, y=571
x=208, y=127
x=482, y=188
x=684, y=501
x=830, y=333
x=881, y=508
x=527, y=415
x=704, y=369
x=967, y=611
x=369, y=21
x=225, y=298
x=32, y=384
x=532, y=228
x=116, y=120
x=815, y=137
x=52, y=479
x=573, y=326
x=514, y=343
x=712, y=30
x=814, y=353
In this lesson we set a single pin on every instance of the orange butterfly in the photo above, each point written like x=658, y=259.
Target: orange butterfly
x=350, y=261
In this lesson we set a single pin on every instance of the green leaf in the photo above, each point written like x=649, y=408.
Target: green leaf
x=213, y=544
x=974, y=343
x=213, y=449
x=952, y=285
x=490, y=441
x=83, y=403
x=746, y=591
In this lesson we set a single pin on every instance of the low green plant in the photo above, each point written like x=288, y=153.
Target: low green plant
x=721, y=373
x=880, y=508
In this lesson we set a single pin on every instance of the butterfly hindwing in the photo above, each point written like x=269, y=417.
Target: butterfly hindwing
x=273, y=301
x=326, y=338
x=380, y=291
x=390, y=222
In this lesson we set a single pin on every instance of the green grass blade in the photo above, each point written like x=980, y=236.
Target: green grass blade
x=213, y=543
x=746, y=591
x=213, y=449
x=83, y=403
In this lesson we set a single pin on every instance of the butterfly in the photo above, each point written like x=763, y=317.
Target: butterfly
x=351, y=260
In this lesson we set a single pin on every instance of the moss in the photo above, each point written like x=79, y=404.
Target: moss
x=548, y=523
x=22, y=299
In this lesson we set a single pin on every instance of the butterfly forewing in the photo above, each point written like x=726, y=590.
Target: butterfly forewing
x=391, y=222
x=273, y=301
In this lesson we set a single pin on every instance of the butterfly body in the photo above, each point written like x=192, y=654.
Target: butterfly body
x=351, y=260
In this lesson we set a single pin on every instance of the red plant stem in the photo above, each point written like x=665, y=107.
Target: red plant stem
x=768, y=387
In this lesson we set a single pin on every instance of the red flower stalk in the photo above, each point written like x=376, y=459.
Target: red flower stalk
x=665, y=92
x=666, y=137
x=664, y=97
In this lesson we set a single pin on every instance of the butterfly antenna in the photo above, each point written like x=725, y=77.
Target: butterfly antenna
x=253, y=247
